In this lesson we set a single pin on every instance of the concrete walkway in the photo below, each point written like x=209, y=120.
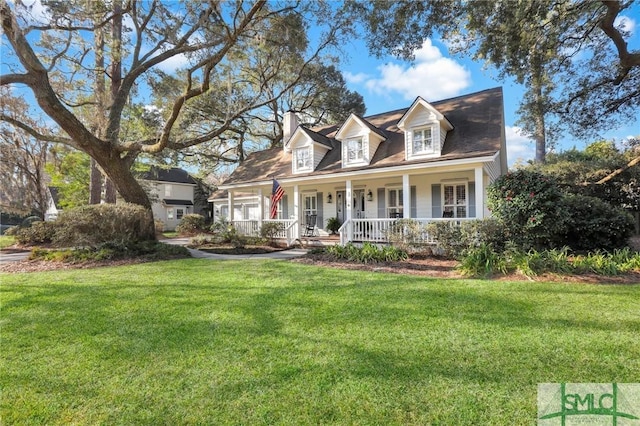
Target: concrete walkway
x=282, y=254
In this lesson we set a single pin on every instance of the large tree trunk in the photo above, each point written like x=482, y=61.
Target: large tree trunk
x=118, y=172
x=95, y=183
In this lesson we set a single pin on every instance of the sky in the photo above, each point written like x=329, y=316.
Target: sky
x=388, y=83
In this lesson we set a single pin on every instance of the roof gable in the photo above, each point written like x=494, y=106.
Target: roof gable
x=418, y=104
x=354, y=119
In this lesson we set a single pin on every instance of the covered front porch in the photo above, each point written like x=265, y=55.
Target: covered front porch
x=368, y=205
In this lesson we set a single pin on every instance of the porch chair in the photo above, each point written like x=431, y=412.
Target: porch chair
x=310, y=225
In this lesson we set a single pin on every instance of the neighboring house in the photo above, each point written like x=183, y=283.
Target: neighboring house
x=53, y=209
x=430, y=162
x=171, y=192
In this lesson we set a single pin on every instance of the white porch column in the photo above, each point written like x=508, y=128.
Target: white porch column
x=348, y=198
x=260, y=208
x=230, y=204
x=406, y=197
x=479, y=178
x=348, y=195
x=296, y=210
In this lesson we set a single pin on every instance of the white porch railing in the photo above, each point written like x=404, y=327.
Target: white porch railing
x=381, y=230
x=251, y=228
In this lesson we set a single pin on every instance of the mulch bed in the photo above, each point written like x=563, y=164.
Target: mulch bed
x=437, y=267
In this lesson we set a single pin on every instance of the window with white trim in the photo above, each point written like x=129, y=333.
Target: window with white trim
x=395, y=202
x=422, y=140
x=167, y=189
x=303, y=158
x=355, y=150
x=454, y=201
x=179, y=213
x=310, y=204
x=170, y=214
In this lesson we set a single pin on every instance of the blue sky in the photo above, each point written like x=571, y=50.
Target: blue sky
x=389, y=83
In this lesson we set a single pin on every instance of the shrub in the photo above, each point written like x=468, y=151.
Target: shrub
x=367, y=253
x=36, y=233
x=270, y=230
x=96, y=224
x=11, y=232
x=159, y=226
x=406, y=234
x=191, y=224
x=594, y=224
x=482, y=261
x=333, y=225
x=528, y=204
x=454, y=240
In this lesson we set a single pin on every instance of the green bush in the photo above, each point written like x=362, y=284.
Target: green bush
x=528, y=205
x=270, y=230
x=454, y=240
x=594, y=224
x=482, y=261
x=36, y=233
x=191, y=224
x=406, y=234
x=367, y=253
x=333, y=225
x=96, y=224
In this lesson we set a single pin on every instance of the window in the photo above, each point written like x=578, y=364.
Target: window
x=169, y=214
x=355, y=150
x=310, y=204
x=395, y=202
x=455, y=200
x=422, y=141
x=179, y=213
x=303, y=158
x=167, y=190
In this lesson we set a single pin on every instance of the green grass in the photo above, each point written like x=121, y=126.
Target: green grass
x=269, y=342
x=7, y=241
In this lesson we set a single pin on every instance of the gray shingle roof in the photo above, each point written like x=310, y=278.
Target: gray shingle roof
x=172, y=174
x=478, y=124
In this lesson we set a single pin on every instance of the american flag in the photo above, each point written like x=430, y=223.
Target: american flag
x=276, y=195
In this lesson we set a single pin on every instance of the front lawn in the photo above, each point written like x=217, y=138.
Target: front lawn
x=197, y=341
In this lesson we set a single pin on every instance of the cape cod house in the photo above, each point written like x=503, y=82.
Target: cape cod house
x=430, y=162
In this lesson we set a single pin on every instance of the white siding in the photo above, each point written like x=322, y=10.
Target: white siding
x=318, y=154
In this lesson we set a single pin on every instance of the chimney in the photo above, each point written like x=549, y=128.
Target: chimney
x=289, y=125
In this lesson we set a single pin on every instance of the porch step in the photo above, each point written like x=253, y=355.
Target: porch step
x=323, y=241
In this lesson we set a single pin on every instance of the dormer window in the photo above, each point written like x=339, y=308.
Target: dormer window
x=355, y=150
x=425, y=130
x=303, y=158
x=423, y=141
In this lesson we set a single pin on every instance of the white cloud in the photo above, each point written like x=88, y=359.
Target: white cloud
x=519, y=148
x=625, y=23
x=174, y=63
x=355, y=78
x=432, y=76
